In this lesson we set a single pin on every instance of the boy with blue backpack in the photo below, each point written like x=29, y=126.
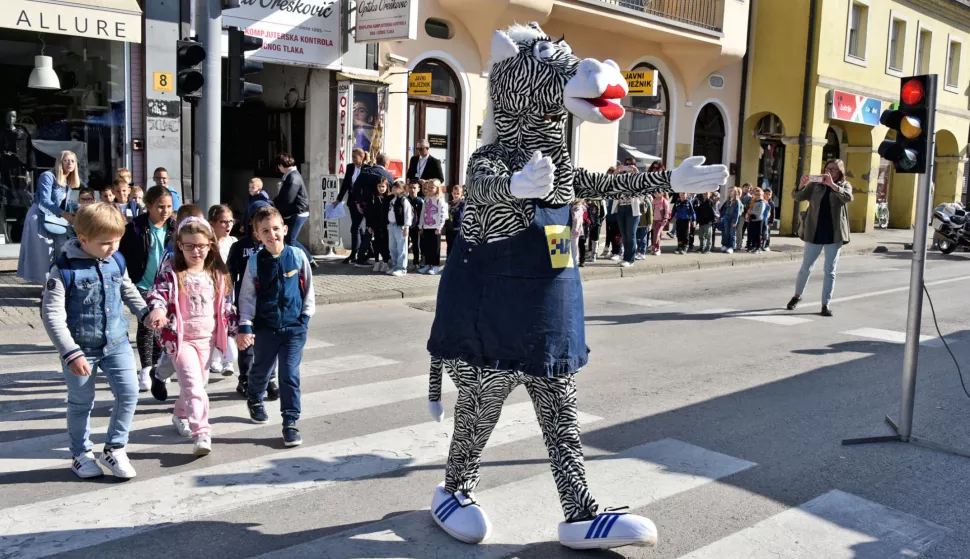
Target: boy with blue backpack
x=275, y=305
x=82, y=313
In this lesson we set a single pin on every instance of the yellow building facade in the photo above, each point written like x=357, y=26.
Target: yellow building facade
x=860, y=50
x=696, y=46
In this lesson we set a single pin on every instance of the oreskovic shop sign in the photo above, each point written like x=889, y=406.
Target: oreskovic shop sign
x=299, y=32
x=114, y=20
x=386, y=20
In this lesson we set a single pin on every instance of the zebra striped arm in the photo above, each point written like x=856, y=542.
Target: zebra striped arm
x=489, y=177
x=600, y=186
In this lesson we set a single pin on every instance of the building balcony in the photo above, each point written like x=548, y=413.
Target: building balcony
x=705, y=14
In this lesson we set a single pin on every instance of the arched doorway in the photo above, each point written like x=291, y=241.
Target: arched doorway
x=832, y=149
x=437, y=117
x=645, y=124
x=709, y=134
x=771, y=159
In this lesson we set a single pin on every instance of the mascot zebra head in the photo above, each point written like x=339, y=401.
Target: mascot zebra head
x=533, y=75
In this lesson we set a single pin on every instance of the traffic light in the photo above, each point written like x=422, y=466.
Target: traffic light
x=913, y=122
x=237, y=88
x=189, y=79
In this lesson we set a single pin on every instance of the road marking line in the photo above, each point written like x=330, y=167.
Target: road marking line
x=50, y=451
x=641, y=302
x=771, y=317
x=528, y=512
x=883, y=292
x=891, y=336
x=836, y=525
x=331, y=365
x=313, y=343
x=118, y=511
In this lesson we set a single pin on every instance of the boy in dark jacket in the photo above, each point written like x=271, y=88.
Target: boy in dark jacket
x=257, y=199
x=376, y=216
x=706, y=216
x=414, y=233
x=684, y=212
x=456, y=212
x=275, y=305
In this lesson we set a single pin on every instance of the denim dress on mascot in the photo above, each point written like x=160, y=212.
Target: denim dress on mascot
x=510, y=300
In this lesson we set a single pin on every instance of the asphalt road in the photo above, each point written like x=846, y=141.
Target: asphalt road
x=706, y=408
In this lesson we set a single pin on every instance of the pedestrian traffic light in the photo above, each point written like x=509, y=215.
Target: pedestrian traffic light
x=913, y=122
x=237, y=88
x=189, y=80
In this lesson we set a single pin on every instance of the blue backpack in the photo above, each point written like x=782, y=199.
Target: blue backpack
x=66, y=267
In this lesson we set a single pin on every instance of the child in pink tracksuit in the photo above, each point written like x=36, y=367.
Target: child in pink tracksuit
x=192, y=301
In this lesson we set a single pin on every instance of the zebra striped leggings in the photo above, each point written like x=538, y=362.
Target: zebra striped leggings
x=481, y=395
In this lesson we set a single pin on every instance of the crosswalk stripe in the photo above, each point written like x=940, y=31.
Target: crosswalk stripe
x=528, y=512
x=51, y=451
x=641, y=302
x=770, y=317
x=126, y=509
x=836, y=525
x=331, y=365
x=880, y=334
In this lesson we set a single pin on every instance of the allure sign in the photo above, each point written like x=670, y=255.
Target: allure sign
x=298, y=32
x=386, y=20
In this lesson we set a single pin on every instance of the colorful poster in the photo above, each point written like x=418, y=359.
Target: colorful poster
x=855, y=108
x=365, y=118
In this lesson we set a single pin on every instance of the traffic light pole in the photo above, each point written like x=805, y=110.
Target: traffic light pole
x=208, y=131
x=904, y=429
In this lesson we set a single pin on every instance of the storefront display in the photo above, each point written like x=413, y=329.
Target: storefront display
x=85, y=114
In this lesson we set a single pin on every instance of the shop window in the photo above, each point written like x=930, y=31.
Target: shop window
x=437, y=28
x=924, y=51
x=857, y=32
x=709, y=134
x=897, y=45
x=645, y=124
x=953, y=65
x=86, y=115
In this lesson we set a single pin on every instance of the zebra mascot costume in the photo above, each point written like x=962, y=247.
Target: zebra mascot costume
x=510, y=301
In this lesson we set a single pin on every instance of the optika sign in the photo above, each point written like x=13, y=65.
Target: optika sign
x=367, y=6
x=293, y=6
x=386, y=20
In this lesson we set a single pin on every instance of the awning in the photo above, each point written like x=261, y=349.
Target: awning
x=114, y=20
x=342, y=76
x=642, y=158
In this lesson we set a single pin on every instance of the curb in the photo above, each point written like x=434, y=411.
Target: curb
x=605, y=273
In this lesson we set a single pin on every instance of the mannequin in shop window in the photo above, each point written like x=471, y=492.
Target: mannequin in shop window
x=16, y=166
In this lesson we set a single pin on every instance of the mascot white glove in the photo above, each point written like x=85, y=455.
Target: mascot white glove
x=692, y=177
x=437, y=410
x=535, y=180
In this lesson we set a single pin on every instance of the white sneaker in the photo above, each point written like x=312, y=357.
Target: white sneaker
x=459, y=515
x=202, y=446
x=116, y=460
x=608, y=530
x=182, y=426
x=144, y=381
x=377, y=266
x=86, y=466
x=615, y=257
x=434, y=271
x=626, y=264
x=398, y=273
x=638, y=257
x=767, y=249
x=729, y=251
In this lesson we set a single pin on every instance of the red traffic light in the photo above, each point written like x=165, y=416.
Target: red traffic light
x=912, y=92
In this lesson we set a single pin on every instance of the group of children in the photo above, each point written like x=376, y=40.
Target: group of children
x=173, y=276
x=746, y=212
x=397, y=214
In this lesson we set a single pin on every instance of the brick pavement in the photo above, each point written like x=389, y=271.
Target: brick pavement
x=340, y=283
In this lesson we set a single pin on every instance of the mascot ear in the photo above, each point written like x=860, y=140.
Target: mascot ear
x=503, y=47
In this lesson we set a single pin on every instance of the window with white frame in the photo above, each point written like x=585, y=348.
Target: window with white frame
x=897, y=44
x=858, y=29
x=953, y=53
x=924, y=49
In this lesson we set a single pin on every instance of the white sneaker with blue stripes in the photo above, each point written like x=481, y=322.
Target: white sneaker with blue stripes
x=460, y=515
x=609, y=529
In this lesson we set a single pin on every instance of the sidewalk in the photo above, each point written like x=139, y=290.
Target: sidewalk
x=334, y=282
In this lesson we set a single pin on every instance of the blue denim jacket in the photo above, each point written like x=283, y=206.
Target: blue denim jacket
x=90, y=314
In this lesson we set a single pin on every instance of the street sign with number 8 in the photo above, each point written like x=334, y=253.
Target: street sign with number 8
x=163, y=82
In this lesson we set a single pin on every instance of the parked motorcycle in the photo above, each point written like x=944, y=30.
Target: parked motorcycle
x=951, y=228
